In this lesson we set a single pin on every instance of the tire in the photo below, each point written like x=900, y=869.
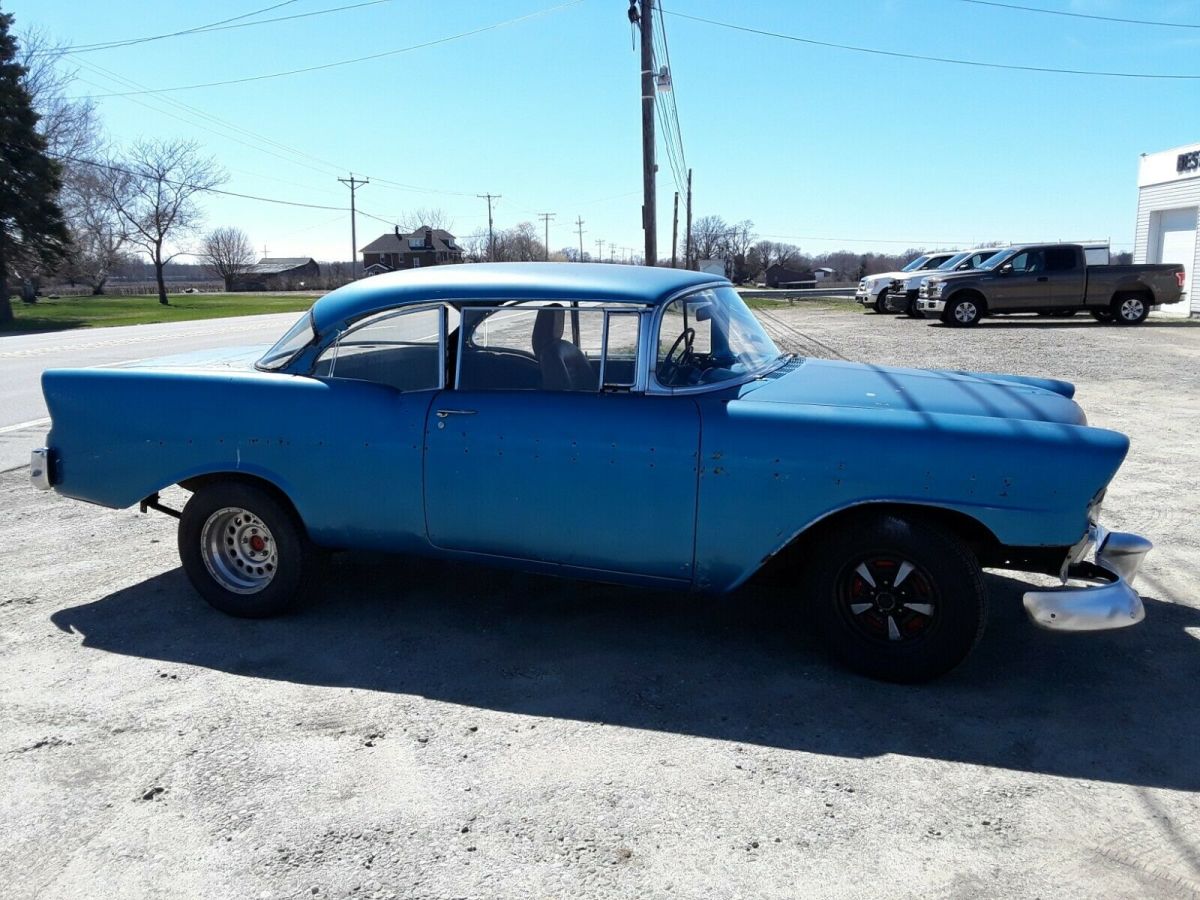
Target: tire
x=910, y=308
x=1130, y=309
x=1057, y=314
x=880, y=304
x=1103, y=316
x=930, y=613
x=244, y=551
x=964, y=312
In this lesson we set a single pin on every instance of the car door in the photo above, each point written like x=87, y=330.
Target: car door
x=1064, y=268
x=590, y=475
x=1022, y=282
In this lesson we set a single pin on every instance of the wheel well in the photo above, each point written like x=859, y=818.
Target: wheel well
x=200, y=481
x=1143, y=293
x=969, y=293
x=977, y=536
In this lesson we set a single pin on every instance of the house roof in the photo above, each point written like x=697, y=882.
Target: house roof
x=501, y=282
x=441, y=240
x=276, y=265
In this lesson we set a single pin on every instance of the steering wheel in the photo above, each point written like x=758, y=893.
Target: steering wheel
x=672, y=364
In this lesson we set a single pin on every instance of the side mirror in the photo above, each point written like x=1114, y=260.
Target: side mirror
x=1006, y=269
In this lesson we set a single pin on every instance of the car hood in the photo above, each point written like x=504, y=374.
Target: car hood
x=823, y=382
x=224, y=359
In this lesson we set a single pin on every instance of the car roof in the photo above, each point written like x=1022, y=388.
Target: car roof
x=502, y=282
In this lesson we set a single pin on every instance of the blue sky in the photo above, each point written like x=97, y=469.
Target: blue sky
x=825, y=148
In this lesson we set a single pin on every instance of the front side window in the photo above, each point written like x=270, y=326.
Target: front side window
x=294, y=340
x=711, y=336
x=402, y=350
x=1028, y=262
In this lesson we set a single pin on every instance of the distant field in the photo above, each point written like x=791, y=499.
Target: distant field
x=759, y=302
x=101, y=312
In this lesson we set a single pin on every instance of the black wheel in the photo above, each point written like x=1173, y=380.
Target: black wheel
x=1130, y=309
x=964, y=312
x=880, y=303
x=896, y=598
x=1068, y=313
x=1103, y=316
x=243, y=551
x=910, y=309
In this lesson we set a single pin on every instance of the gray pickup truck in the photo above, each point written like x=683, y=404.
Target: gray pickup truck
x=1052, y=279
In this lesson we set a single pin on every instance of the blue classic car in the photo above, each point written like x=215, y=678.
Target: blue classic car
x=625, y=424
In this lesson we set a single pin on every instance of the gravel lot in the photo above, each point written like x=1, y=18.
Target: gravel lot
x=426, y=731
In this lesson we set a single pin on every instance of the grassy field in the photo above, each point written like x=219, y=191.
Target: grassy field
x=769, y=303
x=101, y=312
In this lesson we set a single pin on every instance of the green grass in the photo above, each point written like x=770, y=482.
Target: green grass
x=769, y=303
x=102, y=312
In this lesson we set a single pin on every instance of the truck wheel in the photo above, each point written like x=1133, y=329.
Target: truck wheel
x=1103, y=316
x=1129, y=309
x=911, y=309
x=897, y=599
x=243, y=551
x=964, y=312
x=880, y=302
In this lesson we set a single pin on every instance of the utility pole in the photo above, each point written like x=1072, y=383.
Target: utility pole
x=649, y=167
x=579, y=228
x=599, y=249
x=354, y=183
x=675, y=233
x=687, y=259
x=491, y=232
x=546, y=217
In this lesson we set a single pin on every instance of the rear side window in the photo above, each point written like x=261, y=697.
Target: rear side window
x=1060, y=259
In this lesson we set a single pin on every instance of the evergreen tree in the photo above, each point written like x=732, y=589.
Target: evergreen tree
x=32, y=229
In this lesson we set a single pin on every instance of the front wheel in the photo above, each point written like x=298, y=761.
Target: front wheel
x=897, y=599
x=243, y=550
x=880, y=302
x=964, y=312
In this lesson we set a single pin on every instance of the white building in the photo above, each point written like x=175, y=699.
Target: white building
x=1168, y=217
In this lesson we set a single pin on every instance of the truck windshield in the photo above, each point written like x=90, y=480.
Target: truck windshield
x=918, y=263
x=953, y=261
x=997, y=259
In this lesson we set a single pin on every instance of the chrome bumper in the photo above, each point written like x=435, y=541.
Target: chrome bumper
x=1109, y=601
x=864, y=299
x=39, y=468
x=934, y=306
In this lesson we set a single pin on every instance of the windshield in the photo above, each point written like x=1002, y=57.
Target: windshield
x=711, y=336
x=918, y=263
x=953, y=261
x=296, y=339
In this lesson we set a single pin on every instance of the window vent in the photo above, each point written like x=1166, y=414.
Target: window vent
x=786, y=369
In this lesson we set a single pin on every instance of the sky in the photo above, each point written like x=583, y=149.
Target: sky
x=821, y=147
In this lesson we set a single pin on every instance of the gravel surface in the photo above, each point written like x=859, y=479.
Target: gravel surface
x=431, y=731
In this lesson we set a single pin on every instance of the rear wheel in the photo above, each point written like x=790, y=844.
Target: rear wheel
x=243, y=550
x=896, y=598
x=1130, y=309
x=1104, y=316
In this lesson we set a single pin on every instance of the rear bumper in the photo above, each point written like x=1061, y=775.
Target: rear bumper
x=1108, y=601
x=39, y=468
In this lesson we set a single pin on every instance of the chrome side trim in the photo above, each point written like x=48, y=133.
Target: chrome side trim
x=1109, y=601
x=39, y=468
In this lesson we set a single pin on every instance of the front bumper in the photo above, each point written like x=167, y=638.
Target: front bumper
x=864, y=298
x=930, y=305
x=1109, y=601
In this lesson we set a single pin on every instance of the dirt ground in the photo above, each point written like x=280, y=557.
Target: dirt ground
x=434, y=731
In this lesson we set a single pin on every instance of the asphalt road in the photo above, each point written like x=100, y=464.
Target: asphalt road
x=425, y=730
x=23, y=358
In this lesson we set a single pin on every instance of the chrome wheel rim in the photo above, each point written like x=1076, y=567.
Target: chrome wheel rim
x=1131, y=309
x=888, y=599
x=238, y=550
x=965, y=312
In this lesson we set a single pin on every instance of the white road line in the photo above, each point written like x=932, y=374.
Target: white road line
x=32, y=423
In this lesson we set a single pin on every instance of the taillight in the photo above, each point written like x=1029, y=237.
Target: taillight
x=1179, y=277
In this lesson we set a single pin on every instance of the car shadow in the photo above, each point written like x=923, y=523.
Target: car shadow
x=1074, y=322
x=1115, y=706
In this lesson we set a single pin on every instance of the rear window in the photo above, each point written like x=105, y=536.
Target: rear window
x=1060, y=259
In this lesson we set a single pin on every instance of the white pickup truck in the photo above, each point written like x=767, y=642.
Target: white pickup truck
x=873, y=289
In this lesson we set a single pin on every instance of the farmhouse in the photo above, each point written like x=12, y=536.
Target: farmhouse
x=424, y=247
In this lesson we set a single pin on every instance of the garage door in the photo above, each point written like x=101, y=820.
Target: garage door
x=1177, y=244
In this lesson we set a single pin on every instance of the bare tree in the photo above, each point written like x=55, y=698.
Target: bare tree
x=518, y=244
x=227, y=253
x=70, y=126
x=434, y=217
x=155, y=190
x=97, y=229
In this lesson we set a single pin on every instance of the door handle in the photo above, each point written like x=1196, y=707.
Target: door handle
x=443, y=413
x=1043, y=278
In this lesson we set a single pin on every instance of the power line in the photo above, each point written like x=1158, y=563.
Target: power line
x=1076, y=15
x=219, y=26
x=104, y=45
x=939, y=59
x=344, y=62
x=662, y=29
